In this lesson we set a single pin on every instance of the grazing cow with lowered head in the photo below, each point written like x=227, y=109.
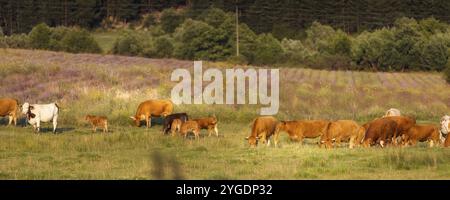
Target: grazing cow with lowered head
x=209, y=123
x=97, y=121
x=262, y=128
x=343, y=130
x=298, y=130
x=379, y=131
x=175, y=126
x=9, y=107
x=37, y=113
x=169, y=119
x=190, y=126
x=403, y=125
x=445, y=126
x=155, y=108
x=392, y=112
x=421, y=133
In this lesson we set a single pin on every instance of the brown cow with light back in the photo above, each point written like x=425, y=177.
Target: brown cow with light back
x=343, y=130
x=422, y=133
x=152, y=108
x=208, y=123
x=9, y=107
x=298, y=130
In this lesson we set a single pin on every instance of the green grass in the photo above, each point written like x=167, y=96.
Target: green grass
x=105, y=39
x=137, y=153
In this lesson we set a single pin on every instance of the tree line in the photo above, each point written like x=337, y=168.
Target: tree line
x=282, y=18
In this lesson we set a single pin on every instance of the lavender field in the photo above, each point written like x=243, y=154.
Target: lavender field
x=114, y=86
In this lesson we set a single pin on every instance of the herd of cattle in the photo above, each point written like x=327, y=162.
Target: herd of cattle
x=391, y=129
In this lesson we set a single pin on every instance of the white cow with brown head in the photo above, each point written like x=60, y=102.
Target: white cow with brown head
x=37, y=113
x=445, y=126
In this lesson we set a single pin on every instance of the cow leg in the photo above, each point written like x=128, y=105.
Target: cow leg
x=15, y=120
x=209, y=132
x=431, y=143
x=55, y=124
x=148, y=120
x=351, y=143
x=10, y=118
x=382, y=143
x=216, y=130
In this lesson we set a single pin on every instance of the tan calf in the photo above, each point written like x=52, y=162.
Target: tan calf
x=97, y=121
x=343, y=131
x=421, y=133
x=190, y=126
x=175, y=126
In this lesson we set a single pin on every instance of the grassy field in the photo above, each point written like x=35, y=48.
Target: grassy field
x=114, y=86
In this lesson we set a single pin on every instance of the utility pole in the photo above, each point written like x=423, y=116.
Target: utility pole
x=237, y=31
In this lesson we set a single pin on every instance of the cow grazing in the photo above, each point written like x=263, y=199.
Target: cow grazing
x=379, y=131
x=262, y=128
x=445, y=126
x=298, y=130
x=343, y=130
x=392, y=112
x=403, y=125
x=9, y=107
x=209, y=123
x=97, y=121
x=175, y=126
x=190, y=126
x=152, y=108
x=169, y=119
x=421, y=133
x=37, y=113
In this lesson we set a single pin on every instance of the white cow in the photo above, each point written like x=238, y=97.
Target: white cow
x=392, y=112
x=37, y=113
x=445, y=126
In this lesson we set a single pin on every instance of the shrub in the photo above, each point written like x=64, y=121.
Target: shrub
x=198, y=40
x=79, y=41
x=432, y=26
x=268, y=50
x=148, y=20
x=214, y=17
x=447, y=73
x=295, y=51
x=319, y=36
x=162, y=47
x=57, y=34
x=127, y=44
x=19, y=41
x=170, y=20
x=432, y=53
x=40, y=36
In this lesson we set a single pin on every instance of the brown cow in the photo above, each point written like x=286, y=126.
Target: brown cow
x=403, y=125
x=379, y=131
x=298, y=130
x=262, y=128
x=156, y=108
x=97, y=121
x=190, y=126
x=343, y=130
x=209, y=123
x=9, y=107
x=421, y=133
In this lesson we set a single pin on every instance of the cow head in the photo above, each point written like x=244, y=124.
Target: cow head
x=25, y=108
x=445, y=129
x=252, y=140
x=137, y=120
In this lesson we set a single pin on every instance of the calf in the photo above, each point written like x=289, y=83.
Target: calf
x=343, y=130
x=379, y=131
x=97, y=121
x=262, y=128
x=190, y=126
x=175, y=126
x=9, y=107
x=298, y=130
x=169, y=119
x=421, y=133
x=37, y=113
x=209, y=123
